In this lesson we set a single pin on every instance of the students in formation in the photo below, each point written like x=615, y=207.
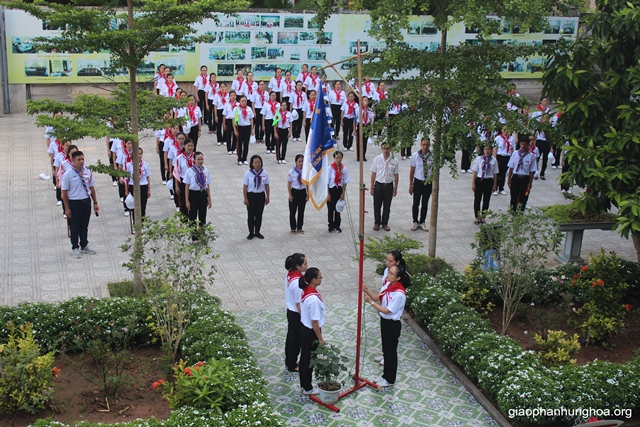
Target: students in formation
x=338, y=180
x=298, y=196
x=212, y=90
x=145, y=184
x=124, y=156
x=276, y=85
x=193, y=121
x=367, y=128
x=337, y=98
x=255, y=188
x=197, y=185
x=503, y=148
x=260, y=97
x=289, y=87
x=227, y=123
x=201, y=83
x=296, y=265
x=220, y=102
x=181, y=164
x=348, y=114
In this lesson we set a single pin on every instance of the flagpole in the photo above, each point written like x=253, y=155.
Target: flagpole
x=331, y=64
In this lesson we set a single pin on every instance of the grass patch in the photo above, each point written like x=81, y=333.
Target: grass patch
x=121, y=289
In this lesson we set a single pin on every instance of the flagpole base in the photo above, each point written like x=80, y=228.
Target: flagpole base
x=360, y=383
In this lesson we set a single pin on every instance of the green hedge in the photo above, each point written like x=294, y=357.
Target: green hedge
x=513, y=378
x=212, y=332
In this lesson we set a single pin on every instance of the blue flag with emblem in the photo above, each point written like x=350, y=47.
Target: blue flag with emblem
x=317, y=155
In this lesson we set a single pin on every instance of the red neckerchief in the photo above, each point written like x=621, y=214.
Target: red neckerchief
x=123, y=145
x=274, y=106
x=140, y=169
x=541, y=108
x=168, y=134
x=351, y=108
x=289, y=85
x=240, y=81
x=205, y=80
x=368, y=87
x=337, y=93
x=309, y=291
x=223, y=97
x=299, y=94
x=325, y=88
x=192, y=113
x=314, y=79
x=506, y=141
x=278, y=81
x=283, y=114
x=128, y=156
x=381, y=94
x=234, y=105
x=311, y=105
x=244, y=112
x=304, y=76
x=293, y=275
x=261, y=95
x=214, y=87
x=59, y=146
x=397, y=106
x=176, y=146
x=189, y=158
x=395, y=287
x=338, y=172
x=170, y=87
x=249, y=87
x=365, y=115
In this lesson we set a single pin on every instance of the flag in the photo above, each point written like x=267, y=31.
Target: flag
x=276, y=118
x=317, y=160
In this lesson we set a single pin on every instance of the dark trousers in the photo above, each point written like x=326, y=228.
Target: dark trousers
x=292, y=342
x=482, y=193
x=59, y=197
x=503, y=161
x=269, y=135
x=121, y=193
x=466, y=160
x=113, y=178
x=336, y=112
x=163, y=172
x=557, y=153
x=229, y=136
x=308, y=343
x=176, y=186
x=209, y=120
x=347, y=138
x=202, y=100
x=544, y=147
x=79, y=221
x=218, y=126
x=257, y=123
x=364, y=143
x=144, y=196
x=390, y=334
x=307, y=128
x=183, y=204
x=421, y=195
x=281, y=143
x=244, y=134
x=254, y=211
x=382, y=195
x=298, y=204
x=296, y=129
x=193, y=134
x=333, y=216
x=405, y=152
x=198, y=201
x=519, y=196
x=565, y=183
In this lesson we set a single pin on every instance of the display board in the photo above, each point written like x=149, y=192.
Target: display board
x=260, y=42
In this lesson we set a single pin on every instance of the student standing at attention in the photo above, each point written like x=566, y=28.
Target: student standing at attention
x=197, y=186
x=311, y=322
x=522, y=167
x=296, y=265
x=484, y=181
x=384, y=186
x=255, y=187
x=298, y=196
x=421, y=167
x=338, y=180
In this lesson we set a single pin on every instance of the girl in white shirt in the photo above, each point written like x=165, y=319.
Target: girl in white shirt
x=337, y=98
x=212, y=90
x=283, y=132
x=197, y=185
x=312, y=320
x=276, y=84
x=145, y=184
x=338, y=180
x=289, y=87
x=269, y=110
x=243, y=128
x=298, y=99
x=504, y=147
x=124, y=156
x=308, y=111
x=313, y=80
x=260, y=97
x=181, y=165
x=484, y=181
x=201, y=83
x=296, y=265
x=298, y=196
x=367, y=127
x=193, y=120
x=227, y=123
x=249, y=88
x=255, y=188
x=220, y=101
x=303, y=75
x=238, y=83
x=349, y=112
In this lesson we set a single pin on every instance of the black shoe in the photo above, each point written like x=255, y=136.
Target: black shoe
x=250, y=236
x=338, y=229
x=259, y=236
x=331, y=229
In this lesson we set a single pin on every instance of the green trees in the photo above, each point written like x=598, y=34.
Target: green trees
x=455, y=85
x=596, y=80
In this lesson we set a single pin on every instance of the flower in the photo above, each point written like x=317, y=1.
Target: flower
x=157, y=384
x=198, y=365
x=600, y=282
x=584, y=268
x=56, y=370
x=187, y=371
x=628, y=307
x=594, y=284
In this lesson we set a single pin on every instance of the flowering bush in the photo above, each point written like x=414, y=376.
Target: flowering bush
x=556, y=349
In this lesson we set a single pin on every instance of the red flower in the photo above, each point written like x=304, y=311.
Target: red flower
x=584, y=268
x=628, y=307
x=197, y=367
x=601, y=282
x=594, y=284
x=157, y=384
x=55, y=372
x=187, y=371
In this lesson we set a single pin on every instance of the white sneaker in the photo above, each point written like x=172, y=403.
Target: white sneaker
x=414, y=228
x=44, y=177
x=279, y=162
x=569, y=191
x=229, y=152
x=404, y=158
x=424, y=227
x=245, y=162
x=234, y=152
x=122, y=199
x=177, y=209
x=115, y=183
x=380, y=358
x=468, y=170
x=504, y=193
x=219, y=143
x=59, y=203
x=171, y=197
x=554, y=167
x=495, y=193
x=311, y=392
x=382, y=382
x=239, y=163
x=284, y=162
x=76, y=253
x=164, y=182
x=87, y=250
x=64, y=216
x=126, y=213
x=463, y=171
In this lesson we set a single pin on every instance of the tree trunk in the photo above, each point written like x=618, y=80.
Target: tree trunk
x=437, y=154
x=133, y=99
x=635, y=236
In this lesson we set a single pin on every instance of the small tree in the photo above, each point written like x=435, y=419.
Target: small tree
x=522, y=243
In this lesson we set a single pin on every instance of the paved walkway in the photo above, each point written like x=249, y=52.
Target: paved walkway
x=35, y=261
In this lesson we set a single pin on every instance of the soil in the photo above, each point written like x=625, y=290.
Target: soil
x=77, y=395
x=621, y=348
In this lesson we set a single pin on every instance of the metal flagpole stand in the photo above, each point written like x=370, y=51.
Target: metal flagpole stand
x=359, y=381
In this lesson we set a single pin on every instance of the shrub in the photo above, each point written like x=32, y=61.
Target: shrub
x=556, y=349
x=455, y=325
x=25, y=375
x=478, y=289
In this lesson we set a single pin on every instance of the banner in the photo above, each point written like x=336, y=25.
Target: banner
x=260, y=42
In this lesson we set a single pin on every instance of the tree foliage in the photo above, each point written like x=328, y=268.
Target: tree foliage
x=596, y=80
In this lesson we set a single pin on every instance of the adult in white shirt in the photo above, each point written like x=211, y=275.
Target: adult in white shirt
x=243, y=128
x=337, y=98
x=522, y=167
x=420, y=186
x=484, y=181
x=384, y=186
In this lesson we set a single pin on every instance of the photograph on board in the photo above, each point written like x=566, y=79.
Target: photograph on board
x=36, y=68
x=217, y=54
x=287, y=37
x=258, y=53
x=237, y=37
x=263, y=37
x=236, y=54
x=270, y=21
x=248, y=21
x=296, y=21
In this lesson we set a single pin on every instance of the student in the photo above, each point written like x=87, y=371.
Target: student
x=348, y=114
x=325, y=87
x=201, y=83
x=535, y=151
x=168, y=140
x=308, y=110
x=169, y=88
x=158, y=79
x=212, y=90
x=302, y=77
x=110, y=141
x=522, y=166
x=298, y=99
x=78, y=189
x=161, y=82
x=337, y=98
x=255, y=188
x=338, y=180
x=243, y=128
x=145, y=184
x=227, y=123
x=220, y=102
x=368, y=89
x=193, y=121
x=296, y=265
x=172, y=154
x=502, y=150
x=197, y=187
x=60, y=163
x=160, y=135
x=313, y=80
x=367, y=128
x=384, y=186
x=311, y=322
x=236, y=85
x=420, y=187
x=389, y=304
x=289, y=87
x=543, y=146
x=298, y=196
x=269, y=110
x=380, y=97
x=181, y=165
x=283, y=133
x=260, y=97
x=484, y=181
x=249, y=88
x=276, y=85
x=125, y=156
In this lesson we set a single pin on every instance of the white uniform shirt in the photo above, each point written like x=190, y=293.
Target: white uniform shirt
x=242, y=121
x=191, y=182
x=259, y=99
x=292, y=177
x=505, y=145
x=248, y=89
x=227, y=112
x=189, y=120
x=385, y=170
x=308, y=108
x=337, y=97
x=345, y=179
x=302, y=77
x=289, y=86
x=345, y=108
x=367, y=116
x=181, y=163
x=312, y=308
x=48, y=133
x=527, y=165
x=212, y=90
x=286, y=118
x=237, y=86
x=173, y=153
x=53, y=147
x=394, y=302
x=122, y=159
x=144, y=176
x=268, y=111
x=221, y=100
x=169, y=89
x=368, y=89
x=168, y=143
x=416, y=162
x=276, y=85
x=249, y=181
x=71, y=182
x=297, y=100
x=312, y=82
x=378, y=95
x=292, y=291
x=201, y=82
x=477, y=167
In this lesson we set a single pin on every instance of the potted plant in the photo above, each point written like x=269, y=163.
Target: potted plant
x=327, y=365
